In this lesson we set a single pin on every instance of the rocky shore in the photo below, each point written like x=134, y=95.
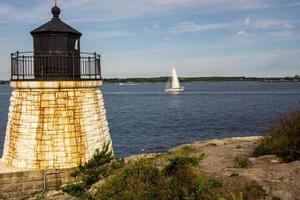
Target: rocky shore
x=275, y=178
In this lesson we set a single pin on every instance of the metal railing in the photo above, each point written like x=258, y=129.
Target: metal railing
x=55, y=66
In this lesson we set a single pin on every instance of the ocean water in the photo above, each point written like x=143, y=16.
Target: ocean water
x=143, y=118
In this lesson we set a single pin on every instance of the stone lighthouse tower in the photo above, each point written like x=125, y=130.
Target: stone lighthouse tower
x=56, y=117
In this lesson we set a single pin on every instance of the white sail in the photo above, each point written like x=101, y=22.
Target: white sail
x=175, y=81
x=173, y=85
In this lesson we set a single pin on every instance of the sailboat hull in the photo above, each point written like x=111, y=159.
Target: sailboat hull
x=174, y=90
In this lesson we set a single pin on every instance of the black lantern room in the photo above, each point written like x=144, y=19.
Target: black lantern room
x=56, y=55
x=56, y=39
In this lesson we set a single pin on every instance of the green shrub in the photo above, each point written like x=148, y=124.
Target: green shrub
x=91, y=172
x=241, y=161
x=138, y=180
x=118, y=164
x=75, y=189
x=184, y=180
x=181, y=162
x=283, y=139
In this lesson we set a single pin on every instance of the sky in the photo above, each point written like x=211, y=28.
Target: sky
x=146, y=38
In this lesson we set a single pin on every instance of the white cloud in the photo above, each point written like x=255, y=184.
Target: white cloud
x=268, y=23
x=271, y=27
x=107, y=34
x=151, y=30
x=271, y=24
x=242, y=33
x=193, y=27
x=284, y=33
x=244, y=26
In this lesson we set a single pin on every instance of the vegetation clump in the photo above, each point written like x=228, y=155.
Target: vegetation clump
x=178, y=179
x=171, y=176
x=90, y=173
x=241, y=161
x=283, y=140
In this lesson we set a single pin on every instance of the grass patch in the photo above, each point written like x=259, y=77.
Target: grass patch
x=283, y=139
x=241, y=161
x=184, y=151
x=233, y=196
x=181, y=162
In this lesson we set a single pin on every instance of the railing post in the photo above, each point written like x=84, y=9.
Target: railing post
x=11, y=66
x=17, y=65
x=23, y=66
x=89, y=60
x=100, y=75
x=95, y=59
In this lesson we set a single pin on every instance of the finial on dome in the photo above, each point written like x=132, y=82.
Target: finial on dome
x=55, y=11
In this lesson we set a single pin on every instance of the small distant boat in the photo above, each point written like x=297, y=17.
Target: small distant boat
x=129, y=83
x=173, y=84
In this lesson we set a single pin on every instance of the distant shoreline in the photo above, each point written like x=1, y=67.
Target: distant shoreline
x=202, y=79
x=193, y=79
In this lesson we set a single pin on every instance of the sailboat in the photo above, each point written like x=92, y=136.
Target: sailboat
x=173, y=85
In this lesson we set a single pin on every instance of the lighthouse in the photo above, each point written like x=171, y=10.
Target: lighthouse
x=56, y=117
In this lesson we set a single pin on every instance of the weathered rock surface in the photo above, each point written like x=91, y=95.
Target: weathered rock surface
x=279, y=179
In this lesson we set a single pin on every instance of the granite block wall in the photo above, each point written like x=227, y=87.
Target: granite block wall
x=54, y=125
x=23, y=185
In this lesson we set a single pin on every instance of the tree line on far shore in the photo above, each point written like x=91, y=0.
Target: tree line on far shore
x=200, y=79
x=193, y=79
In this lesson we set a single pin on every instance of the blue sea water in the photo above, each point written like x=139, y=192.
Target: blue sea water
x=143, y=118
